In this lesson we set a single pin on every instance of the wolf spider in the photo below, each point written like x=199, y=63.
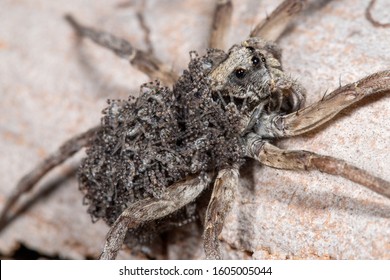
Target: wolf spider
x=229, y=106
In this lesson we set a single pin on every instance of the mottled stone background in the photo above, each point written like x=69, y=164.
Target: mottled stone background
x=51, y=89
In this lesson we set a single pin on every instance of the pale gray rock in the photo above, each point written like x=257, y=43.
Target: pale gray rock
x=51, y=89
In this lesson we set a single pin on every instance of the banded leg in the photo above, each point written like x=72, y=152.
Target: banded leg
x=144, y=61
x=68, y=149
x=274, y=25
x=272, y=156
x=311, y=117
x=148, y=209
x=221, y=23
x=220, y=205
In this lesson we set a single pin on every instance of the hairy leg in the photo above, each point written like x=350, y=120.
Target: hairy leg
x=274, y=25
x=220, y=204
x=68, y=149
x=221, y=23
x=371, y=19
x=176, y=196
x=272, y=156
x=311, y=117
x=144, y=61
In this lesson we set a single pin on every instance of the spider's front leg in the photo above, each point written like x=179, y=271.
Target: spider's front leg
x=309, y=118
x=269, y=29
x=276, y=23
x=176, y=196
x=221, y=23
x=313, y=116
x=274, y=157
x=221, y=201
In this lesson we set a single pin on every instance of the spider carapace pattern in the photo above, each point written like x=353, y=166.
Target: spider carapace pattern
x=152, y=159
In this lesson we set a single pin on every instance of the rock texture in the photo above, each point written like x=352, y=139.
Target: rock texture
x=52, y=88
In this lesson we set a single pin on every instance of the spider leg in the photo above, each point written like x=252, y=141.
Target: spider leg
x=371, y=19
x=144, y=61
x=176, y=196
x=68, y=149
x=272, y=156
x=220, y=204
x=311, y=117
x=274, y=25
x=221, y=23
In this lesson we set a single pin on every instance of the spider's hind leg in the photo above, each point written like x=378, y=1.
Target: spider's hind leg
x=144, y=61
x=68, y=149
x=176, y=196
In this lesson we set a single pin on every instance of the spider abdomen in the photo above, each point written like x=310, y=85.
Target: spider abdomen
x=164, y=136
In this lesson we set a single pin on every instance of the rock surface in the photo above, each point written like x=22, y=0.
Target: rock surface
x=51, y=89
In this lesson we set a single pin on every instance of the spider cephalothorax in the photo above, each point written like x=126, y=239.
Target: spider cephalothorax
x=253, y=73
x=150, y=159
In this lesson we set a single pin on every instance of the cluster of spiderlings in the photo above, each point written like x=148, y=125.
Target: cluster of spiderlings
x=133, y=155
x=212, y=127
x=165, y=135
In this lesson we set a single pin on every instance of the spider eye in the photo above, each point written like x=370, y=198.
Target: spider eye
x=240, y=73
x=255, y=60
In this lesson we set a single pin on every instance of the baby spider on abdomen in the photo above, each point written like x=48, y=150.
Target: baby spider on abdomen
x=151, y=158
